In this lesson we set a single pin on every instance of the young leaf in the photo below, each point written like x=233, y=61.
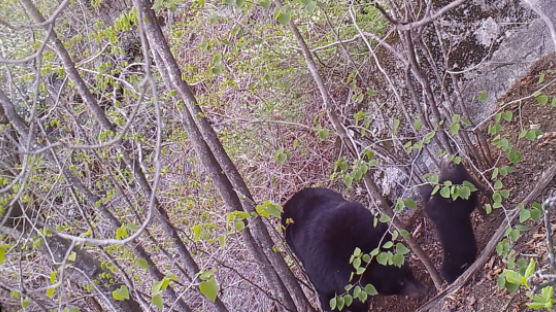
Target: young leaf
x=348, y=300
x=52, y=277
x=542, y=99
x=401, y=249
x=142, y=263
x=121, y=293
x=157, y=301
x=514, y=156
x=332, y=303
x=370, y=290
x=410, y=203
x=209, y=288
x=513, y=277
x=2, y=252
x=382, y=258
x=530, y=268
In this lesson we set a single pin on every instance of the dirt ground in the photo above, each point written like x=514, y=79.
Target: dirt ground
x=481, y=293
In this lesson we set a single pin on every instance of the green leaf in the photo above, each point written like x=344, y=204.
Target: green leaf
x=524, y=215
x=356, y=291
x=401, y=249
x=357, y=251
x=142, y=263
x=3, y=252
x=508, y=116
x=284, y=18
x=239, y=225
x=157, y=301
x=532, y=134
x=454, y=128
x=356, y=263
x=513, y=277
x=362, y=296
x=370, y=290
x=158, y=286
x=25, y=302
x=496, y=197
x=340, y=303
x=514, y=235
x=542, y=99
x=399, y=205
x=269, y=209
x=482, y=96
x=197, y=230
x=410, y=203
x=332, y=303
x=536, y=214
x=348, y=300
x=395, y=123
x=348, y=181
x=366, y=258
x=384, y=218
x=121, y=293
x=464, y=192
x=428, y=137
x=52, y=277
x=488, y=208
x=121, y=232
x=398, y=260
x=514, y=156
x=546, y=292
x=530, y=268
x=388, y=245
x=72, y=256
x=541, y=78
x=50, y=292
x=417, y=124
x=382, y=258
x=501, y=282
x=15, y=294
x=445, y=191
x=553, y=102
x=265, y=4
x=209, y=288
x=280, y=156
x=539, y=305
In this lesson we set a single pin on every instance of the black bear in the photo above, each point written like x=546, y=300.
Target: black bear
x=325, y=231
x=453, y=222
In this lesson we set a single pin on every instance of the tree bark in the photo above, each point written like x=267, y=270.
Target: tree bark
x=231, y=186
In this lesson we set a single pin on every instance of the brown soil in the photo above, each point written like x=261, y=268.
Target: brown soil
x=481, y=293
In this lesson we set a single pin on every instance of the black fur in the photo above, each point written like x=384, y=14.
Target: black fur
x=453, y=223
x=326, y=229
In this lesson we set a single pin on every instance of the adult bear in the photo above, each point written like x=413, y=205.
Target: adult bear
x=453, y=222
x=325, y=231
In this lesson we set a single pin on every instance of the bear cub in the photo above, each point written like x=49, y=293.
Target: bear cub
x=453, y=222
x=326, y=229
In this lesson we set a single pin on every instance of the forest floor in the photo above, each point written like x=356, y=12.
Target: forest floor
x=480, y=293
